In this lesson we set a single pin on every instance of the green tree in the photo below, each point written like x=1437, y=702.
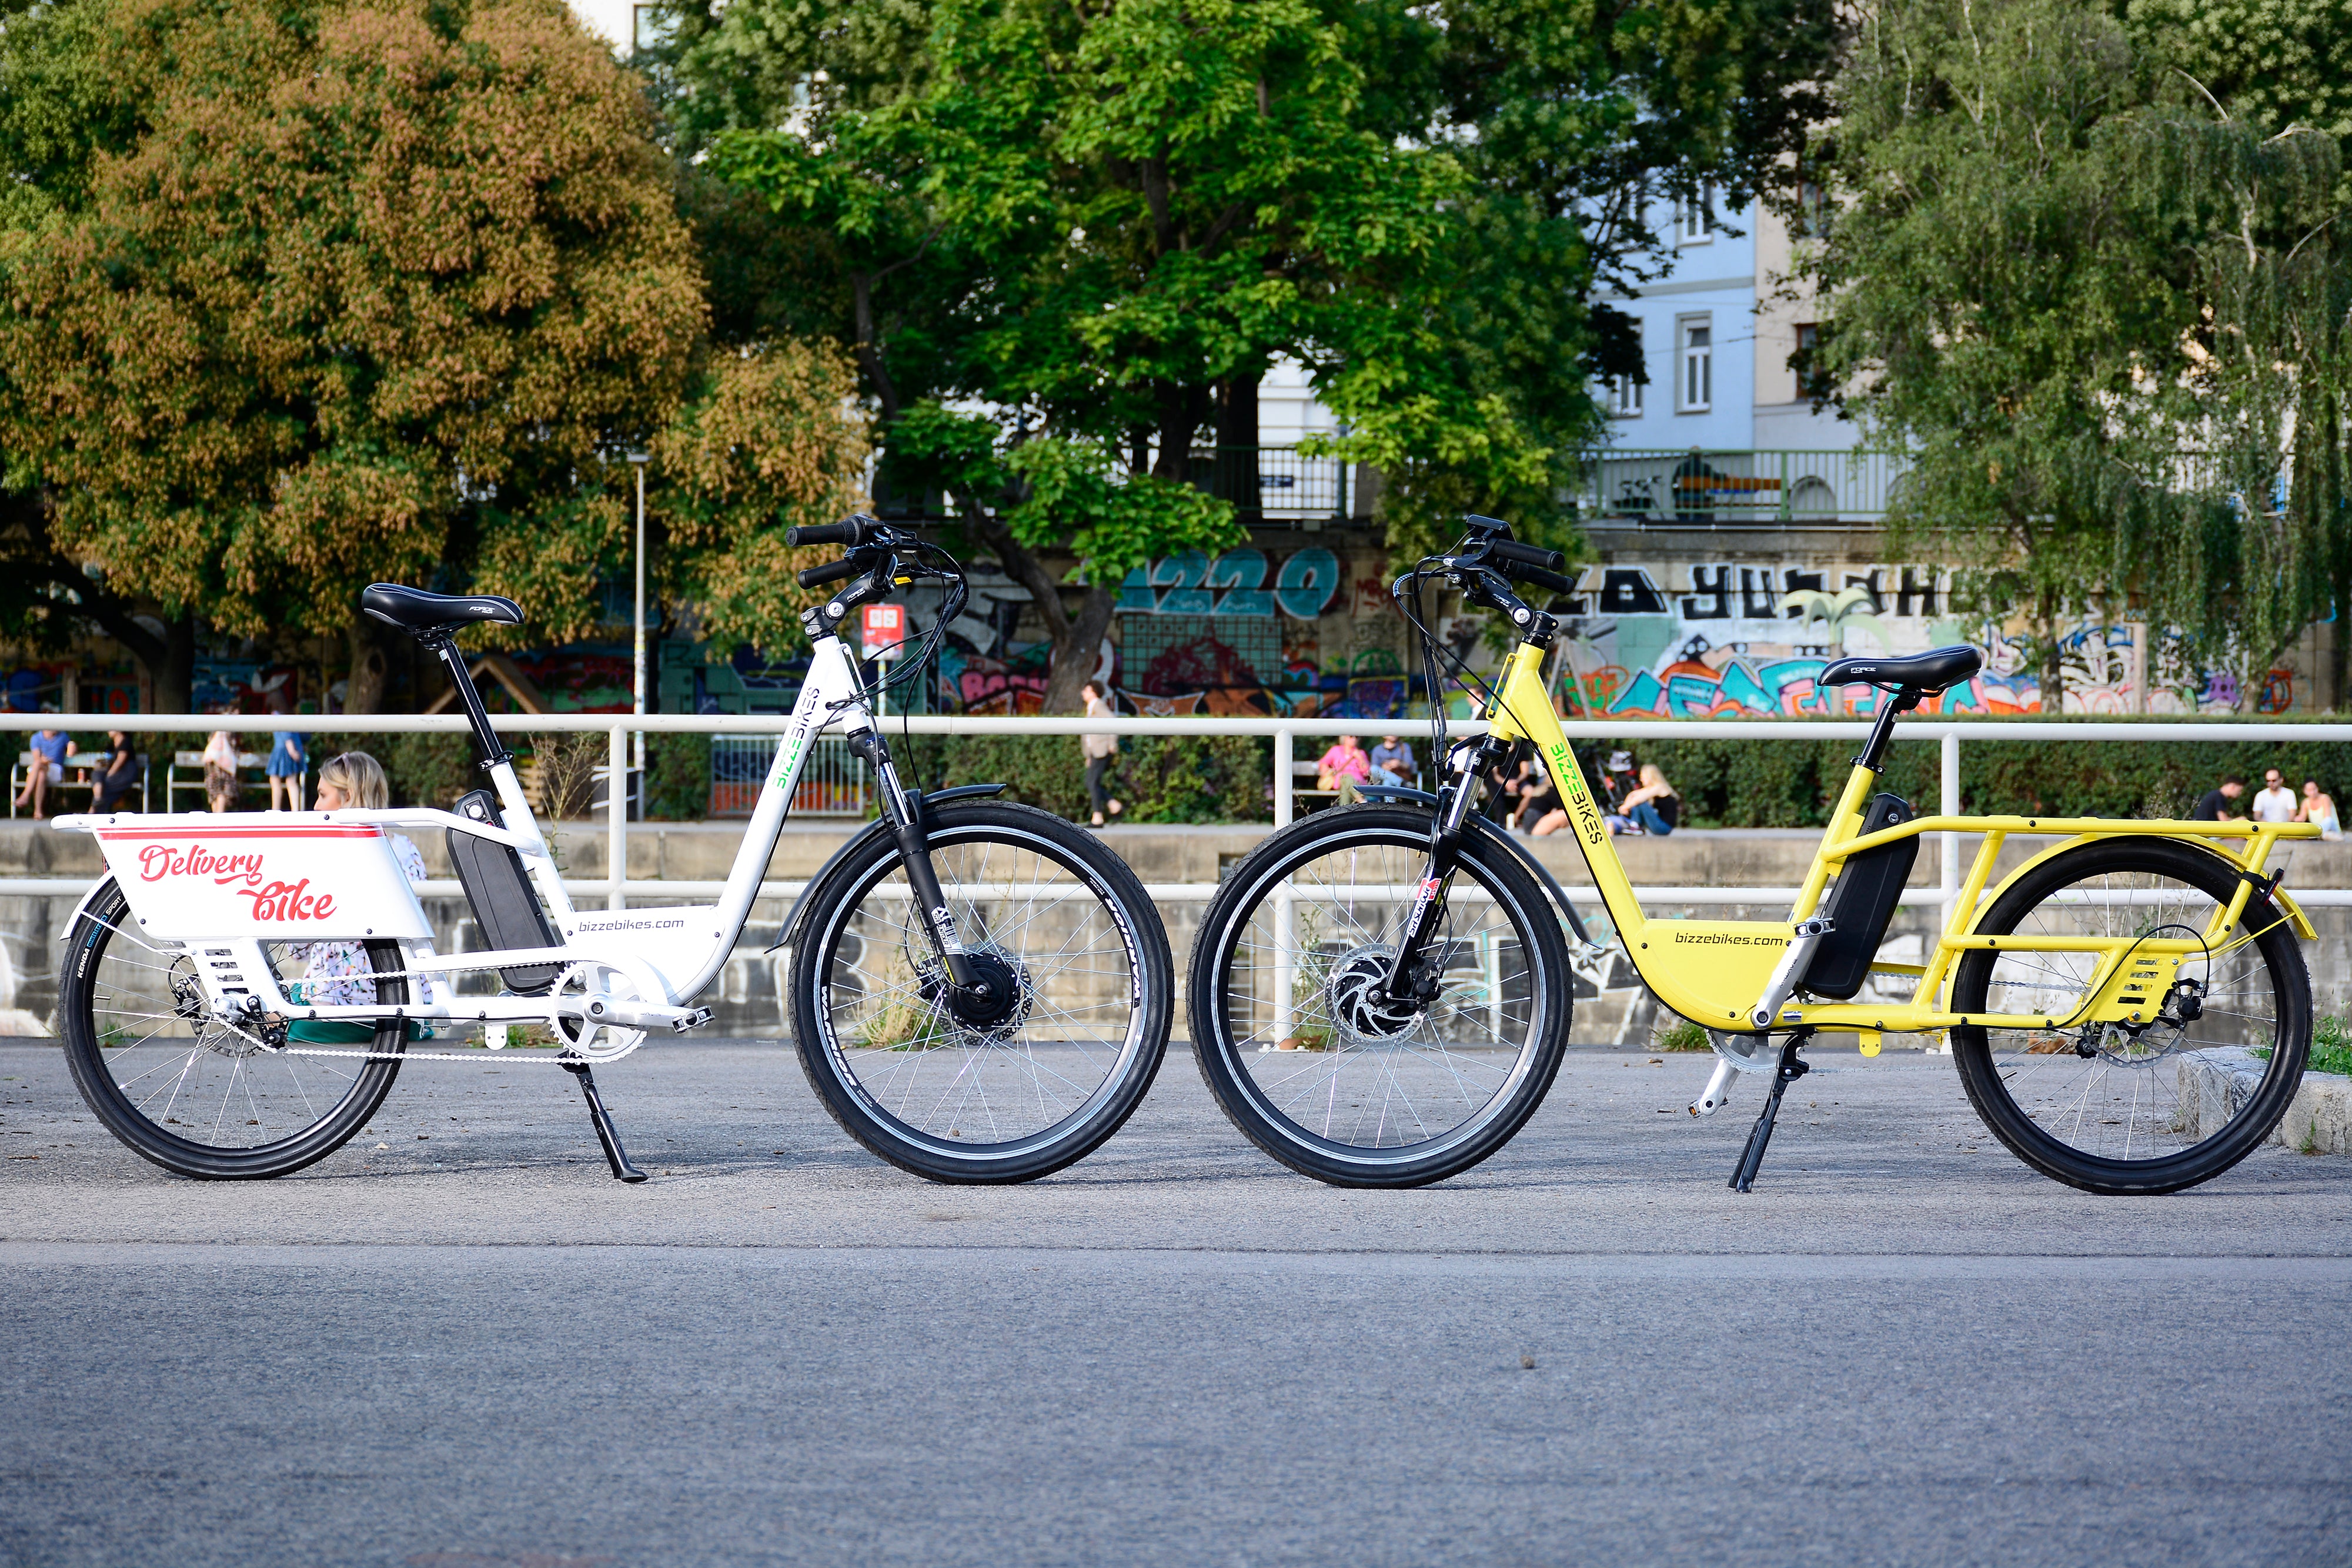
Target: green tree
x=1104, y=223
x=1996, y=281
x=337, y=292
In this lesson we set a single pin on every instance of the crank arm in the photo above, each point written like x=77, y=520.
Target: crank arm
x=647, y=1015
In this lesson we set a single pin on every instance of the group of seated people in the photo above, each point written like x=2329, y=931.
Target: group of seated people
x=115, y=771
x=1531, y=797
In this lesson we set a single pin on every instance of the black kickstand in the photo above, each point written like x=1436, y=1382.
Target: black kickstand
x=1759, y=1136
x=605, y=1134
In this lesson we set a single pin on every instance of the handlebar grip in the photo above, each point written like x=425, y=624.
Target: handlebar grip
x=1542, y=579
x=831, y=571
x=850, y=531
x=1527, y=555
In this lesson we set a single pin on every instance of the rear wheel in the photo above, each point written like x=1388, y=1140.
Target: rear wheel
x=2144, y=1107
x=199, y=1096
x=1307, y=1054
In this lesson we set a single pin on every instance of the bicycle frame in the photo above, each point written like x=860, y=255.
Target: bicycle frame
x=1718, y=973
x=206, y=881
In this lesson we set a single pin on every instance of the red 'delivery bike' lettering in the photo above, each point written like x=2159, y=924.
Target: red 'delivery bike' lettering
x=157, y=861
x=288, y=901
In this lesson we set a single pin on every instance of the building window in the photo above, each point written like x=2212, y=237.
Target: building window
x=1812, y=210
x=1694, y=217
x=1623, y=395
x=1806, y=361
x=652, y=26
x=1694, y=385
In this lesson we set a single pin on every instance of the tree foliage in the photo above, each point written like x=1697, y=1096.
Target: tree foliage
x=2103, y=314
x=294, y=298
x=1102, y=224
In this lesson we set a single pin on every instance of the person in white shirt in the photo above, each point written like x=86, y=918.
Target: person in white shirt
x=2276, y=803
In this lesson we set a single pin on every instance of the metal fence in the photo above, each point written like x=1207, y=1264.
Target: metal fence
x=1291, y=486
x=1950, y=734
x=1738, y=489
x=833, y=783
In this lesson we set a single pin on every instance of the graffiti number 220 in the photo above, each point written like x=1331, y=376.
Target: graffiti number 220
x=1190, y=583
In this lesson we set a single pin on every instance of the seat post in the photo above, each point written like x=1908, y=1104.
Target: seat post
x=485, y=739
x=1873, y=750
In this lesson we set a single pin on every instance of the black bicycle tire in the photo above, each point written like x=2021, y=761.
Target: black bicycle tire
x=1113, y=882
x=1218, y=1053
x=85, y=946
x=2202, y=1161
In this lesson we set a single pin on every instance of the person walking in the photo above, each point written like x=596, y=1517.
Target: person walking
x=2213, y=806
x=220, y=771
x=2276, y=803
x=2320, y=808
x=50, y=750
x=1099, y=750
x=288, y=760
x=119, y=774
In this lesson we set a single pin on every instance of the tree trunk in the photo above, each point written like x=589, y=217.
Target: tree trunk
x=2053, y=668
x=1077, y=641
x=370, y=671
x=174, y=675
x=1237, y=477
x=1183, y=411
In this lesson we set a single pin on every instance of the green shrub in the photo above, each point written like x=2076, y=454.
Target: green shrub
x=1172, y=778
x=678, y=777
x=1761, y=783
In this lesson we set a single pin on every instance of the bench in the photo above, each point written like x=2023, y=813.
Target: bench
x=1305, y=798
x=81, y=773
x=256, y=762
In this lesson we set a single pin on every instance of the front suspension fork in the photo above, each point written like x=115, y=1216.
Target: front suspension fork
x=1427, y=916
x=906, y=816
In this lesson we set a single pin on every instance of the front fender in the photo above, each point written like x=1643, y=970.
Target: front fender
x=878, y=825
x=1481, y=824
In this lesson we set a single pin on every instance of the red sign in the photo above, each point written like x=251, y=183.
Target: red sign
x=885, y=624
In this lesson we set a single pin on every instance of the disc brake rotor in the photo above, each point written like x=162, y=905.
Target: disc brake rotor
x=1356, y=990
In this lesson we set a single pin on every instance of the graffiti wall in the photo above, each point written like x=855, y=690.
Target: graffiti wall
x=1719, y=639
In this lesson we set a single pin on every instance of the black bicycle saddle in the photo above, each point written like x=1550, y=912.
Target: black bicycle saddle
x=424, y=614
x=1927, y=672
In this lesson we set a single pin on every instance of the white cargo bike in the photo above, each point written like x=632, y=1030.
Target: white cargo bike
x=980, y=991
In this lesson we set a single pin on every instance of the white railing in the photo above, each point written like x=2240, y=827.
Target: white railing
x=1949, y=733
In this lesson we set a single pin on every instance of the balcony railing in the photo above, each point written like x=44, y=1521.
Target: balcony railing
x=1691, y=487
x=1278, y=482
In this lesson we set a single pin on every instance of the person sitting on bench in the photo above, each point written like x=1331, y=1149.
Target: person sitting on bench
x=50, y=750
x=119, y=775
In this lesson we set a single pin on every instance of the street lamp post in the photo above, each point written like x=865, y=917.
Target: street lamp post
x=638, y=460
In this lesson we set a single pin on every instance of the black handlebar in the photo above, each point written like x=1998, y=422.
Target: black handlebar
x=1542, y=579
x=831, y=571
x=851, y=532
x=1549, y=560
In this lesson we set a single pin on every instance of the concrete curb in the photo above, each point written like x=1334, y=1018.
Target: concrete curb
x=2214, y=1084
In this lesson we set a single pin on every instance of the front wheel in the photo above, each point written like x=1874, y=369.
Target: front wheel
x=205, y=1098
x=1028, y=1080
x=2150, y=1106
x=1309, y=1055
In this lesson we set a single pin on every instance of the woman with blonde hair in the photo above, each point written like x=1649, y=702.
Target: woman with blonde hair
x=1655, y=808
x=340, y=974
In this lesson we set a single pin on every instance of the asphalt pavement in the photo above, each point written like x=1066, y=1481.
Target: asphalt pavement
x=458, y=1344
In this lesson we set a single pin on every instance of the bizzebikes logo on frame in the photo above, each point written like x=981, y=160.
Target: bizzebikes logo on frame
x=273, y=899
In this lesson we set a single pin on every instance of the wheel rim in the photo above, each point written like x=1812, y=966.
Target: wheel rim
x=2143, y=1094
x=1339, y=1069
x=1003, y=1080
x=207, y=1087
